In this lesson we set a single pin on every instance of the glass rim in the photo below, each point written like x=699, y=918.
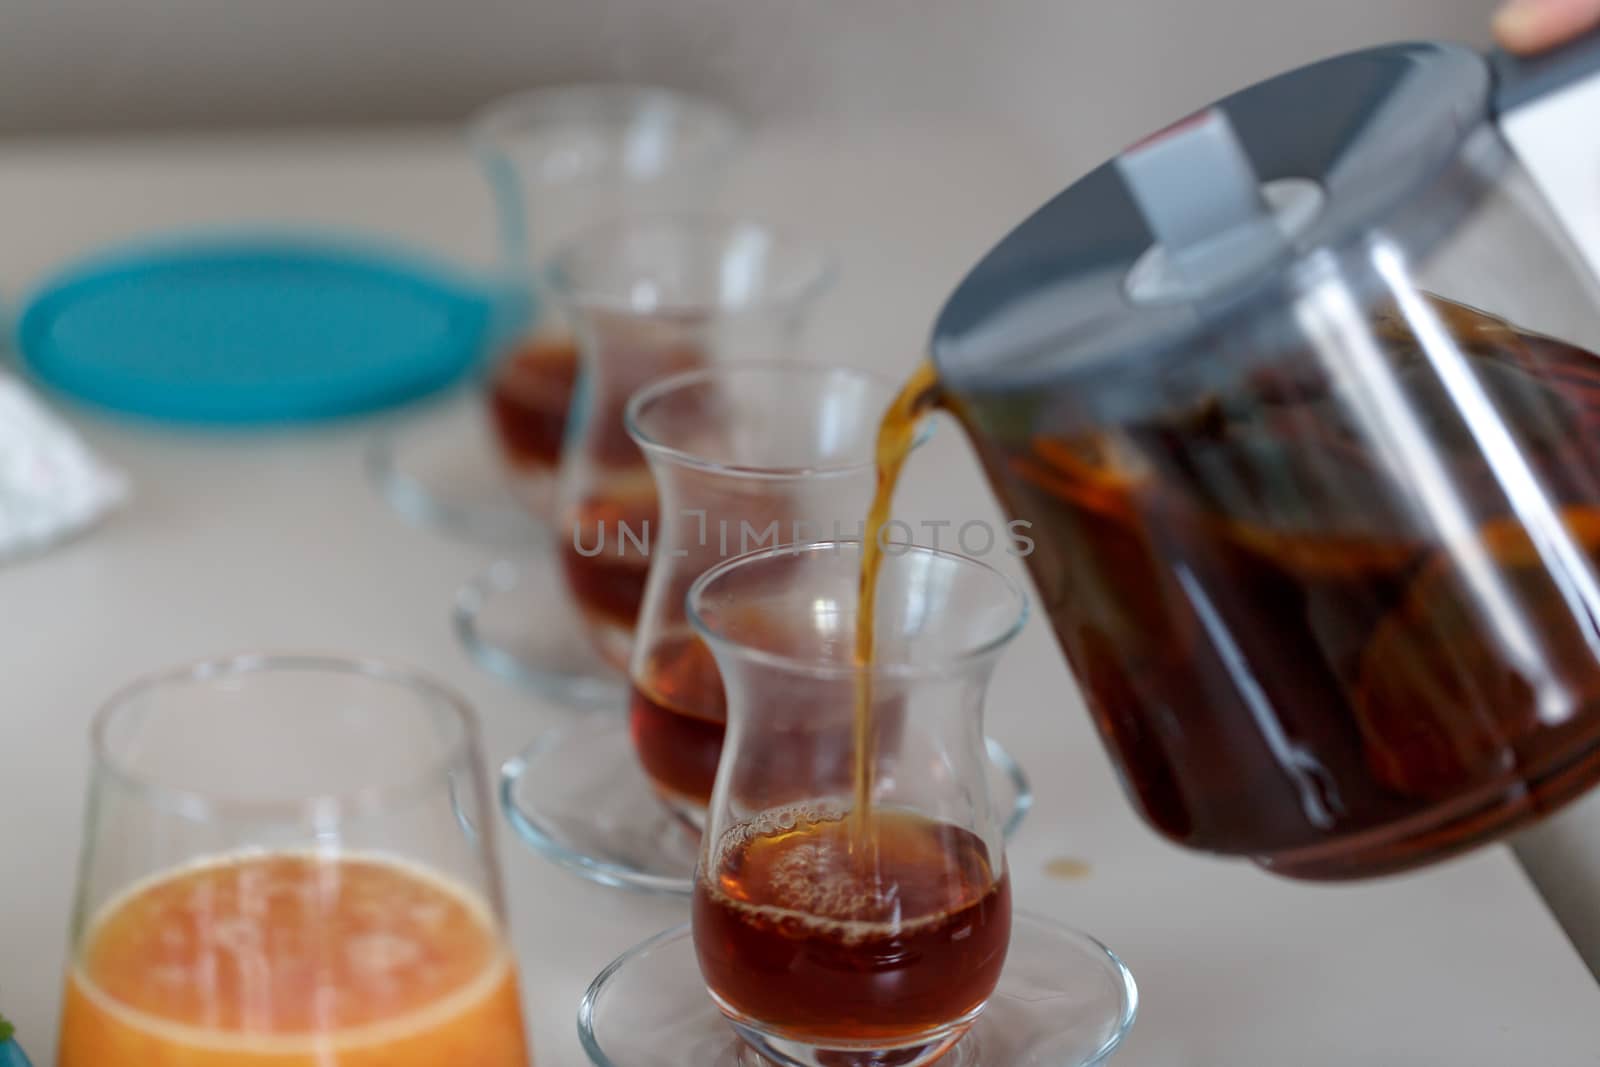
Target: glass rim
x=361, y=800
x=812, y=282
x=497, y=123
x=661, y=387
x=953, y=664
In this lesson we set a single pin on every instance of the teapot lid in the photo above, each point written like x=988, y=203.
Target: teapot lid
x=1202, y=221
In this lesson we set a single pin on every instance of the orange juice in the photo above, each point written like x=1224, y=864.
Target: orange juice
x=292, y=960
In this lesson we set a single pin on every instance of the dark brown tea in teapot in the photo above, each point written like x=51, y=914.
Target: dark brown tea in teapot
x=1288, y=657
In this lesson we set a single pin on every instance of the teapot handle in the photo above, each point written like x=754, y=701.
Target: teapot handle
x=1549, y=110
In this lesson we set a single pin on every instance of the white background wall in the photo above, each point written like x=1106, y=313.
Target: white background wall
x=1092, y=73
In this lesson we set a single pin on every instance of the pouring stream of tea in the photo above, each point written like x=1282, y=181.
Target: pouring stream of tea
x=896, y=435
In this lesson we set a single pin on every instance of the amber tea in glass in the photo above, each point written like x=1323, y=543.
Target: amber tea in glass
x=606, y=558
x=677, y=716
x=789, y=886
x=530, y=391
x=828, y=935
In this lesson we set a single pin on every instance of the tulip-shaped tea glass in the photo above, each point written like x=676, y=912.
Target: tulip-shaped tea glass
x=744, y=456
x=648, y=297
x=841, y=921
x=835, y=926
x=283, y=863
x=561, y=161
x=557, y=161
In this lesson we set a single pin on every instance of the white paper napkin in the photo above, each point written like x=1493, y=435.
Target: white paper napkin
x=51, y=486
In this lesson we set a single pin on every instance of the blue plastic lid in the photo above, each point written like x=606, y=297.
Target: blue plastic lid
x=254, y=329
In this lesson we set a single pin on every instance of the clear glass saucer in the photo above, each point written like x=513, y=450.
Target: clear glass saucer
x=577, y=796
x=1064, y=1000
x=518, y=623
x=442, y=469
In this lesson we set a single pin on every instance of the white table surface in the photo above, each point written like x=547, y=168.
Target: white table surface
x=277, y=542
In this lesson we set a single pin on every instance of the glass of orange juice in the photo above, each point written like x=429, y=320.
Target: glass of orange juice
x=286, y=864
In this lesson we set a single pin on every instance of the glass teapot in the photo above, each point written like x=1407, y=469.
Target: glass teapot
x=1300, y=399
